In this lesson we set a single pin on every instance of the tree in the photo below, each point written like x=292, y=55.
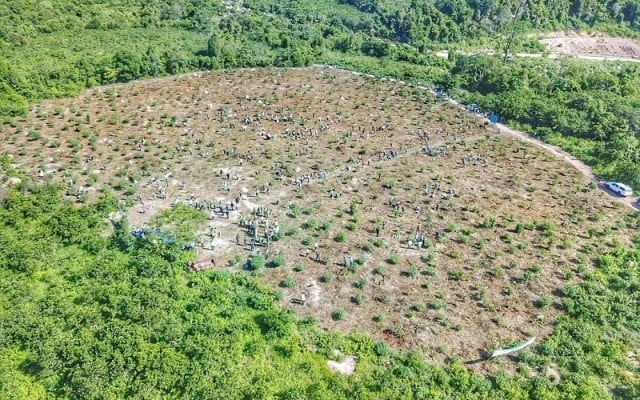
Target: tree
x=128, y=65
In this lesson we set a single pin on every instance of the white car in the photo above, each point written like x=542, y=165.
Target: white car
x=619, y=188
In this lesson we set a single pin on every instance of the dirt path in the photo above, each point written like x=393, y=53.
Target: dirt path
x=555, y=150
x=566, y=157
x=588, y=57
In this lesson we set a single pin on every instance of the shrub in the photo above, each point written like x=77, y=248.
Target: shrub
x=256, y=262
x=542, y=302
x=436, y=304
x=380, y=349
x=418, y=307
x=277, y=261
x=360, y=283
x=298, y=267
x=34, y=135
x=489, y=222
x=310, y=224
x=340, y=237
x=339, y=314
x=287, y=283
x=384, y=299
x=326, y=277
x=411, y=272
x=358, y=299
x=324, y=227
x=393, y=259
x=456, y=275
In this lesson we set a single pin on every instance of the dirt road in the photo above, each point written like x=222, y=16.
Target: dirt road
x=568, y=158
x=588, y=57
x=630, y=202
x=584, y=169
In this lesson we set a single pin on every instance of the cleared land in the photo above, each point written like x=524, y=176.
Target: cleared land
x=583, y=44
x=454, y=252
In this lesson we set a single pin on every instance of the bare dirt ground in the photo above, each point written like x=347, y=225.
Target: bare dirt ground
x=583, y=44
x=453, y=253
x=629, y=202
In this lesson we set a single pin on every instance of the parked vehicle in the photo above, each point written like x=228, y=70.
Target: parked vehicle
x=619, y=188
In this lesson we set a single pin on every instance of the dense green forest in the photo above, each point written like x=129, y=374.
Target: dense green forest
x=87, y=311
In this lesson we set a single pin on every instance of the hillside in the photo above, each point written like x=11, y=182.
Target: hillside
x=511, y=237
x=360, y=237
x=57, y=49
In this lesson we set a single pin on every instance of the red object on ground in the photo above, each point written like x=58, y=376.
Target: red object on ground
x=202, y=264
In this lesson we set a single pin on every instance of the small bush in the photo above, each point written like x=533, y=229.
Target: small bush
x=489, y=222
x=287, y=283
x=542, y=303
x=34, y=135
x=256, y=262
x=360, y=283
x=411, y=272
x=393, y=259
x=277, y=261
x=358, y=299
x=456, y=275
x=380, y=349
x=384, y=299
x=326, y=277
x=418, y=307
x=338, y=315
x=436, y=304
x=310, y=224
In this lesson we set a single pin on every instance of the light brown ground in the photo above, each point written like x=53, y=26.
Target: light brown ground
x=583, y=44
x=506, y=230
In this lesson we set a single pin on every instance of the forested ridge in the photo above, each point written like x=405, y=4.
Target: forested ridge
x=88, y=312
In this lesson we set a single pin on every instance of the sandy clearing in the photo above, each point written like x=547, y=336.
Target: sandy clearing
x=581, y=44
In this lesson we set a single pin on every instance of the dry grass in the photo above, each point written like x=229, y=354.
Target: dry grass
x=505, y=229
